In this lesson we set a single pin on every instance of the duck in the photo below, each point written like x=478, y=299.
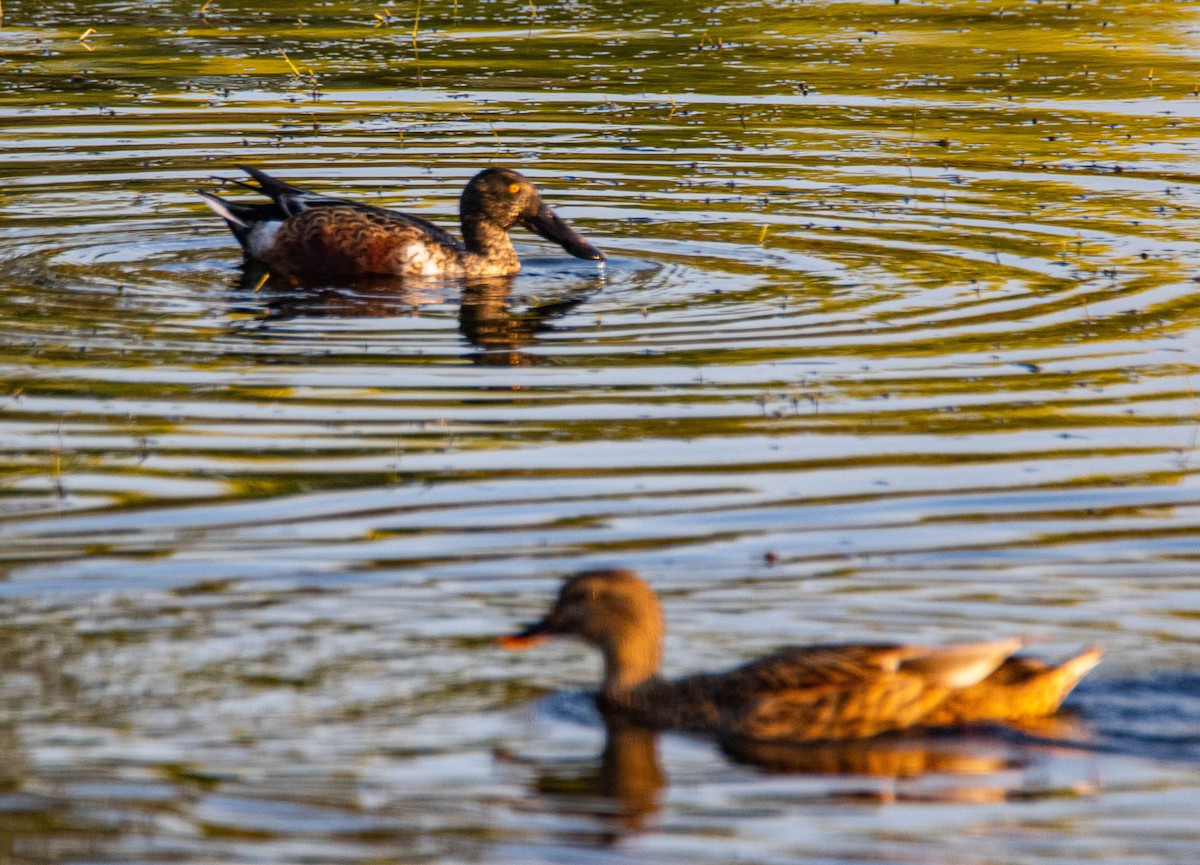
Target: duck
x=306, y=234
x=800, y=693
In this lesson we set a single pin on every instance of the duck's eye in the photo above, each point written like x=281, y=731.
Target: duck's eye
x=514, y=188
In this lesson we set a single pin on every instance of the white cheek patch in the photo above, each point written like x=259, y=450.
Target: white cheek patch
x=261, y=238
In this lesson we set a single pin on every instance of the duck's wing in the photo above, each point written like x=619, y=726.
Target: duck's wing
x=292, y=201
x=959, y=666
x=841, y=664
x=724, y=701
x=849, y=691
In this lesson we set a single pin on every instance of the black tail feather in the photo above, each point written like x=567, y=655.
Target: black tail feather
x=268, y=185
x=242, y=218
x=237, y=182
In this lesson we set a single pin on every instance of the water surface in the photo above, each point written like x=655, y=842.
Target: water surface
x=897, y=339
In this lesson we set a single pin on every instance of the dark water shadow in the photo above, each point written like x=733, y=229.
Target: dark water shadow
x=1155, y=716
x=493, y=320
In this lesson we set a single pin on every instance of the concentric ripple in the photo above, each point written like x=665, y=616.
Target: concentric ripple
x=883, y=346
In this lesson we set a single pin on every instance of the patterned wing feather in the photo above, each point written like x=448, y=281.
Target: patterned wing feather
x=349, y=240
x=294, y=201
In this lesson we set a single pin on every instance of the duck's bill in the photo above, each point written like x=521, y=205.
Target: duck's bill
x=516, y=642
x=548, y=224
x=528, y=636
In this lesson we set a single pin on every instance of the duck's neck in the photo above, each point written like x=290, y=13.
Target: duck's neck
x=631, y=659
x=489, y=249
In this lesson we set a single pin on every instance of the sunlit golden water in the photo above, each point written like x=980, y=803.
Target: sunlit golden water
x=900, y=297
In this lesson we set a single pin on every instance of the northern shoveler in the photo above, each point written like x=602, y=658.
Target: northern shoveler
x=307, y=234
x=800, y=693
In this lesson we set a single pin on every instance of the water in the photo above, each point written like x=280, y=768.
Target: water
x=897, y=339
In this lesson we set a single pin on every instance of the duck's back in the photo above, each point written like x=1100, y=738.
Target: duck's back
x=820, y=692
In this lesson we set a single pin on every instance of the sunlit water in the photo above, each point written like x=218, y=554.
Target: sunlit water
x=897, y=339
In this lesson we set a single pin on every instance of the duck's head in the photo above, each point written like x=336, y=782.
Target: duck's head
x=504, y=198
x=615, y=611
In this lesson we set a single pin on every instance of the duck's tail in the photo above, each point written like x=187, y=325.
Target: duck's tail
x=1068, y=673
x=1019, y=688
x=272, y=187
x=291, y=200
x=242, y=219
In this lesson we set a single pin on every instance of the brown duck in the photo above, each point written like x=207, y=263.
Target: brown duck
x=305, y=234
x=799, y=693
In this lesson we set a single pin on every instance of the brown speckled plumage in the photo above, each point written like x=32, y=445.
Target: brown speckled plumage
x=801, y=693
x=304, y=234
x=354, y=242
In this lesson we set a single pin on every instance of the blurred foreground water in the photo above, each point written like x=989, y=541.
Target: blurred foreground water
x=900, y=297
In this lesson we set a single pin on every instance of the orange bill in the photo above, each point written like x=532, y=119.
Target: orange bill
x=515, y=642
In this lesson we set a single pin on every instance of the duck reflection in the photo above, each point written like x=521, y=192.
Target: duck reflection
x=973, y=765
x=893, y=756
x=489, y=317
x=625, y=787
x=488, y=321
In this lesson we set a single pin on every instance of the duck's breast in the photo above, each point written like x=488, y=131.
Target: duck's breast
x=426, y=258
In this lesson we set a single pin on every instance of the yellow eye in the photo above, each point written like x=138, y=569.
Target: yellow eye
x=514, y=188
